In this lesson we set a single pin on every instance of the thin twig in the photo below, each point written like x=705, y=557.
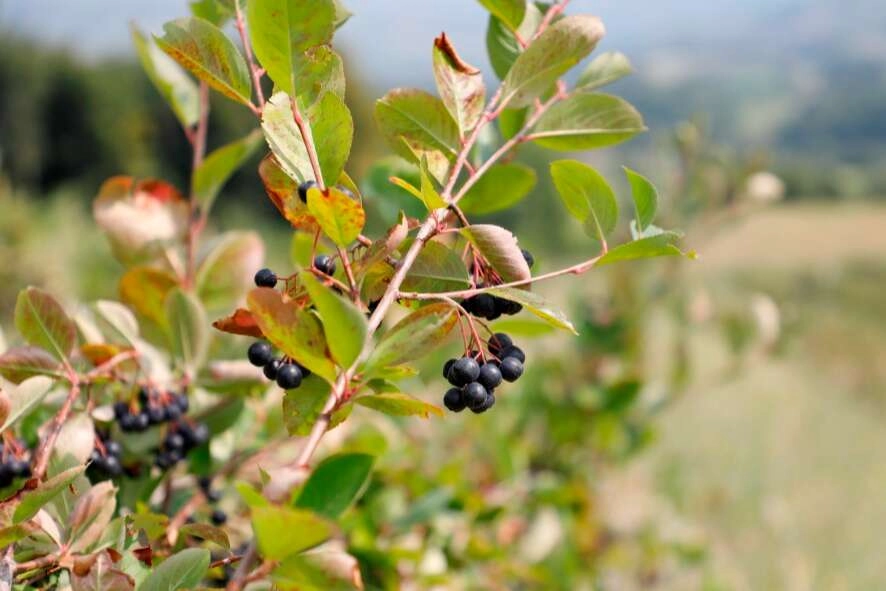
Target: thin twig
x=41, y=462
x=247, y=48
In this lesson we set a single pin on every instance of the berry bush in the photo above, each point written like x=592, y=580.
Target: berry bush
x=143, y=450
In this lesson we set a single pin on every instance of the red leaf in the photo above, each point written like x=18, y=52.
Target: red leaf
x=241, y=322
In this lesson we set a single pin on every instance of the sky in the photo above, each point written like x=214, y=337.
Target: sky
x=390, y=40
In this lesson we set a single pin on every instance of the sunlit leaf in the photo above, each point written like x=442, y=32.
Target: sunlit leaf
x=34, y=499
x=414, y=336
x=398, y=404
x=226, y=272
x=344, y=323
x=293, y=330
x=173, y=84
x=283, y=191
x=341, y=217
x=663, y=244
x=587, y=196
x=560, y=47
x=241, y=322
x=204, y=50
x=510, y=12
x=645, y=198
x=502, y=44
x=284, y=138
x=333, y=131
x=587, y=122
x=335, y=484
x=603, y=69
x=145, y=290
x=282, y=532
x=537, y=305
x=91, y=515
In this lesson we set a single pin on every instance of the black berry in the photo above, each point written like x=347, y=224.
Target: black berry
x=490, y=376
x=515, y=352
x=213, y=496
x=204, y=482
x=218, y=517
x=486, y=405
x=527, y=256
x=174, y=441
x=113, y=448
x=289, y=376
x=271, y=368
x=446, y=367
x=304, y=188
x=453, y=400
x=5, y=475
x=127, y=423
x=508, y=307
x=172, y=411
x=141, y=422
x=260, y=353
x=156, y=414
x=325, y=264
x=499, y=342
x=474, y=394
x=484, y=305
x=20, y=468
x=182, y=401
x=464, y=371
x=266, y=278
x=121, y=409
x=511, y=369
x=111, y=466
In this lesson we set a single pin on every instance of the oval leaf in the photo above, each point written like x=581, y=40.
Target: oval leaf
x=587, y=196
x=510, y=12
x=188, y=328
x=204, y=50
x=169, y=79
x=282, y=532
x=645, y=198
x=560, y=47
x=503, y=186
x=459, y=84
x=343, y=323
x=586, y=122
x=499, y=247
x=335, y=484
x=333, y=131
x=284, y=138
x=218, y=167
x=42, y=322
x=226, y=273
x=537, y=305
x=604, y=69
x=283, y=191
x=437, y=268
x=183, y=570
x=20, y=363
x=25, y=397
x=293, y=330
x=663, y=244
x=145, y=289
x=414, y=336
x=502, y=44
x=302, y=407
x=399, y=404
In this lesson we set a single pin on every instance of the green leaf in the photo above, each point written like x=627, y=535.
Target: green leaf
x=320, y=70
x=308, y=572
x=560, y=47
x=188, y=328
x=282, y=532
x=91, y=516
x=183, y=570
x=499, y=247
x=604, y=69
x=459, y=84
x=429, y=195
x=384, y=247
x=284, y=138
x=587, y=196
x=20, y=363
x=293, y=330
x=335, y=484
x=302, y=407
x=663, y=244
x=333, y=131
x=227, y=272
x=587, y=122
x=503, y=186
x=416, y=123
x=173, y=84
x=34, y=500
x=399, y=404
x=341, y=217
x=523, y=327
x=343, y=323
x=282, y=30
x=510, y=12
x=42, y=322
x=414, y=336
x=502, y=45
x=645, y=198
x=145, y=290
x=207, y=532
x=204, y=50
x=436, y=268
x=218, y=12
x=511, y=122
x=537, y=305
x=218, y=167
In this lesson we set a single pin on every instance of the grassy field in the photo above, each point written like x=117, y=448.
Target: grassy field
x=781, y=461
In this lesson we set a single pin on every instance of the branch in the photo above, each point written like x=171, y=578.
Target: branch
x=247, y=48
x=42, y=456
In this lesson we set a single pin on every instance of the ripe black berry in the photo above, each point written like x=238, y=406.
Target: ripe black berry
x=121, y=409
x=111, y=466
x=260, y=353
x=453, y=400
x=213, y=496
x=127, y=422
x=141, y=422
x=508, y=307
x=325, y=264
x=265, y=278
x=527, y=256
x=199, y=434
x=163, y=461
x=304, y=188
x=486, y=405
x=490, y=376
x=499, y=342
x=172, y=411
x=484, y=305
x=474, y=394
x=182, y=401
x=515, y=352
x=156, y=414
x=113, y=448
x=446, y=367
x=271, y=368
x=204, y=482
x=511, y=369
x=174, y=441
x=5, y=475
x=289, y=376
x=464, y=371
x=218, y=517
x=20, y=468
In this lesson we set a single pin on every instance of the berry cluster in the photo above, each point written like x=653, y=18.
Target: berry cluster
x=287, y=373
x=104, y=462
x=153, y=408
x=488, y=306
x=474, y=382
x=180, y=439
x=13, y=464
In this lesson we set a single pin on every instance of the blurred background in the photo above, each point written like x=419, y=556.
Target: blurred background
x=717, y=425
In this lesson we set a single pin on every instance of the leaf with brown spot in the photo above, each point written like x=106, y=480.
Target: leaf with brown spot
x=460, y=85
x=241, y=322
x=283, y=191
x=20, y=363
x=292, y=329
x=341, y=217
x=145, y=289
